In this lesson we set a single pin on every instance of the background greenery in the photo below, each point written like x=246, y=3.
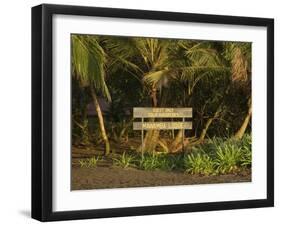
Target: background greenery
x=214, y=78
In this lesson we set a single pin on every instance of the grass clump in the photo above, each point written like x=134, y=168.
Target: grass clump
x=89, y=162
x=246, y=159
x=199, y=163
x=246, y=151
x=161, y=161
x=228, y=158
x=149, y=162
x=124, y=161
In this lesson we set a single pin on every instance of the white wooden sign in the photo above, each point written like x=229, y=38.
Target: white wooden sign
x=162, y=113
x=161, y=125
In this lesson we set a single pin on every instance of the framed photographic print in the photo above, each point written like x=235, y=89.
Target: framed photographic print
x=147, y=112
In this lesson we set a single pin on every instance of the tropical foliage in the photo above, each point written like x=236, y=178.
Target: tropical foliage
x=115, y=74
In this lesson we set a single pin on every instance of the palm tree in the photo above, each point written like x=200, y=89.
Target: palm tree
x=158, y=62
x=88, y=61
x=190, y=62
x=163, y=61
x=141, y=57
x=154, y=53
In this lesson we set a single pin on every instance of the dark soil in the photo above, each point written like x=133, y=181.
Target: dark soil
x=115, y=177
x=106, y=175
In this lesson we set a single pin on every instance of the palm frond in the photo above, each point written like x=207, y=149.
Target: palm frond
x=158, y=78
x=88, y=60
x=239, y=56
x=191, y=72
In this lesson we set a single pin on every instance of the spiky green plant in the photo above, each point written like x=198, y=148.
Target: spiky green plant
x=149, y=162
x=246, y=151
x=160, y=161
x=246, y=159
x=89, y=162
x=83, y=163
x=228, y=158
x=124, y=161
x=199, y=163
x=175, y=162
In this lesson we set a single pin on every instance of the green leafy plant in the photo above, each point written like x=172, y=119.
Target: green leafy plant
x=246, y=152
x=199, y=163
x=228, y=158
x=246, y=159
x=124, y=161
x=160, y=161
x=164, y=163
x=89, y=162
x=149, y=162
x=83, y=163
x=175, y=162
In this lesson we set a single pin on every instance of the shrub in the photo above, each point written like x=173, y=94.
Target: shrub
x=246, y=159
x=215, y=156
x=124, y=161
x=228, y=158
x=149, y=162
x=161, y=161
x=164, y=163
x=199, y=163
x=247, y=141
x=218, y=155
x=175, y=162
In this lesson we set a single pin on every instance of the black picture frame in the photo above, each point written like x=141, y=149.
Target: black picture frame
x=42, y=107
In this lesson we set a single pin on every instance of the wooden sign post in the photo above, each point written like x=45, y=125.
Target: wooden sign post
x=162, y=113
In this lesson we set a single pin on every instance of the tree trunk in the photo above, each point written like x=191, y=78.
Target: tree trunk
x=239, y=134
x=179, y=148
x=154, y=96
x=163, y=145
x=176, y=142
x=208, y=123
x=101, y=122
x=151, y=137
x=150, y=140
x=204, y=131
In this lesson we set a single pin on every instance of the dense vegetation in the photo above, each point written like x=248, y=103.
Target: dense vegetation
x=214, y=78
x=216, y=156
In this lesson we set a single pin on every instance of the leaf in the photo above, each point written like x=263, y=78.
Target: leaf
x=88, y=60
